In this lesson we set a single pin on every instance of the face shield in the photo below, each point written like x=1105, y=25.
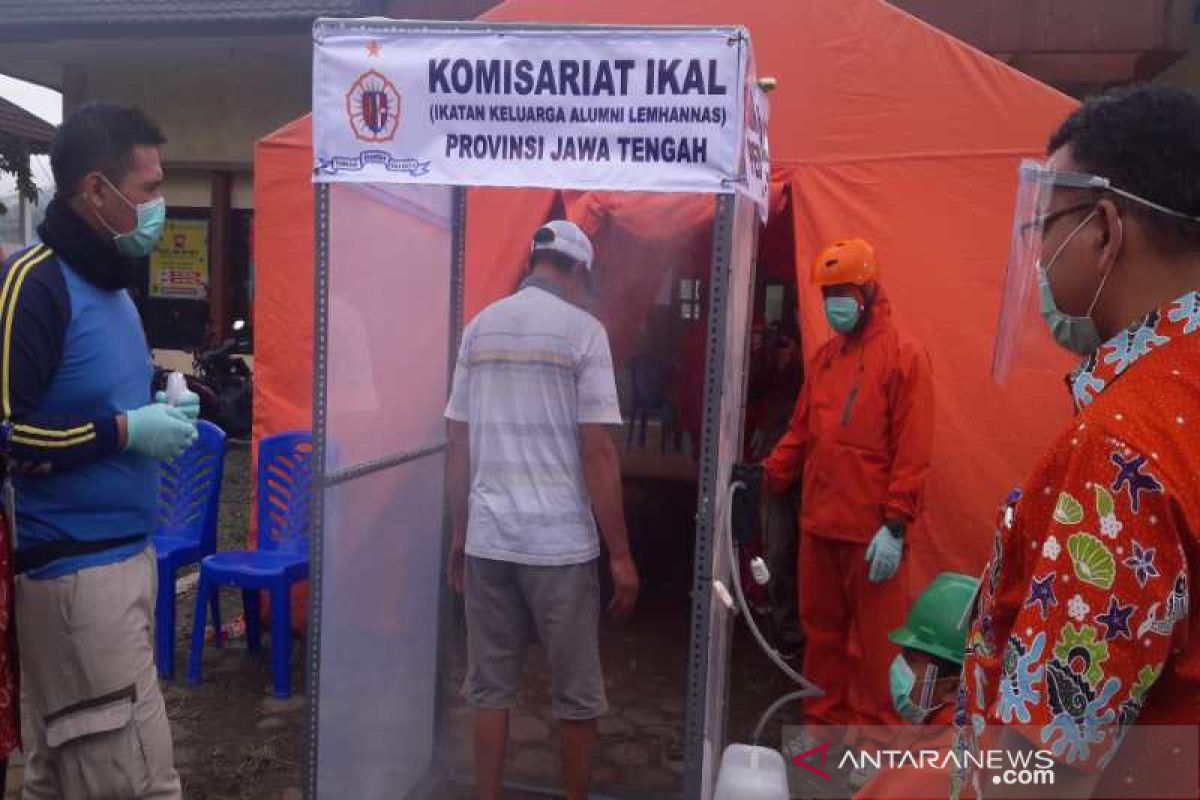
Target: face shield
x=1019, y=310
x=1035, y=213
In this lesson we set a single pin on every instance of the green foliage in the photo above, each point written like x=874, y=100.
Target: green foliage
x=14, y=160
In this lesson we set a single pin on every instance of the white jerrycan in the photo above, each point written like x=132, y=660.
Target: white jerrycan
x=751, y=773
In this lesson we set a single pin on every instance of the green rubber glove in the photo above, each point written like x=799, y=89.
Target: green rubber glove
x=189, y=403
x=883, y=554
x=159, y=431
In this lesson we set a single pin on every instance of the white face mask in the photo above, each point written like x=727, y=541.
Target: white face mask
x=1077, y=334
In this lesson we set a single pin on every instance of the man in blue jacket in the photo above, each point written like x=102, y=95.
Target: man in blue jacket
x=83, y=440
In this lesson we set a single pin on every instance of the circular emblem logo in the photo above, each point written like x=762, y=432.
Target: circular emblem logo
x=373, y=106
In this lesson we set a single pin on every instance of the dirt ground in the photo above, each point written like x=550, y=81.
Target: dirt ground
x=234, y=741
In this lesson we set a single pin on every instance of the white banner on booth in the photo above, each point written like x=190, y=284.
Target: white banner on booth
x=602, y=109
x=757, y=151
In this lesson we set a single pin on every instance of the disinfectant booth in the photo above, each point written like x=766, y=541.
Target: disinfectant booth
x=406, y=116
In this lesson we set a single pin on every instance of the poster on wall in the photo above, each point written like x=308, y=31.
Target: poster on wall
x=179, y=263
x=609, y=109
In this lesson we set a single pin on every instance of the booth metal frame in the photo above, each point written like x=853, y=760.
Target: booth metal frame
x=708, y=641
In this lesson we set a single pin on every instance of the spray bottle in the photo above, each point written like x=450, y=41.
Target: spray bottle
x=176, y=387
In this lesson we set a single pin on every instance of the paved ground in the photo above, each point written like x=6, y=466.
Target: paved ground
x=645, y=663
x=641, y=746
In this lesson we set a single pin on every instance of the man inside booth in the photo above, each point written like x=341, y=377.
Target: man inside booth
x=532, y=473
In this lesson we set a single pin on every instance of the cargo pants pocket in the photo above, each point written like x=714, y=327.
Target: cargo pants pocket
x=97, y=750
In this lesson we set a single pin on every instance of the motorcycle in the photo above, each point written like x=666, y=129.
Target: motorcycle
x=223, y=381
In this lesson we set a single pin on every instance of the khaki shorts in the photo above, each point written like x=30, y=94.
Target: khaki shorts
x=507, y=605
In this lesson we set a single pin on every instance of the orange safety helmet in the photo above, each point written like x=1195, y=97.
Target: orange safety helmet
x=846, y=261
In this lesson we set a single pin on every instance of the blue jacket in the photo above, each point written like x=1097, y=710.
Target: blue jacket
x=73, y=357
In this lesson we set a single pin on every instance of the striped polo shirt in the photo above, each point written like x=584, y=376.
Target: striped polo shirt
x=531, y=369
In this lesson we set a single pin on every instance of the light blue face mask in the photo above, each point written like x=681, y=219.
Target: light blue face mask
x=843, y=313
x=902, y=680
x=151, y=217
x=1077, y=334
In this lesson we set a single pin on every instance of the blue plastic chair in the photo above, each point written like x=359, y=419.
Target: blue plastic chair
x=650, y=384
x=281, y=560
x=188, y=508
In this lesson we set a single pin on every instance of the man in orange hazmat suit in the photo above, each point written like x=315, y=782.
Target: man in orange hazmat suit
x=861, y=436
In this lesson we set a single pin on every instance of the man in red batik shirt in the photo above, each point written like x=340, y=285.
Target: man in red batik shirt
x=1082, y=626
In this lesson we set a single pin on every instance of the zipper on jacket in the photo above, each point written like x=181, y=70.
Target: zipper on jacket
x=850, y=398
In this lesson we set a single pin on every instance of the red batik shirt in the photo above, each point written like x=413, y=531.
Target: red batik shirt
x=1082, y=624
x=10, y=689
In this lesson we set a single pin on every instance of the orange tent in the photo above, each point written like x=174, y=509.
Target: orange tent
x=881, y=127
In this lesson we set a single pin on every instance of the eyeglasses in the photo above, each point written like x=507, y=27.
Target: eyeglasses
x=1044, y=222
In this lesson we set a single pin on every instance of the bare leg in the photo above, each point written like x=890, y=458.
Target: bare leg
x=491, y=742
x=578, y=742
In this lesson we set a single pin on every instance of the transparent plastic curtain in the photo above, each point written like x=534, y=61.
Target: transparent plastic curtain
x=388, y=261
x=735, y=258
x=389, y=713
x=651, y=282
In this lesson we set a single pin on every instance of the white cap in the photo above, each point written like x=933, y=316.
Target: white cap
x=561, y=236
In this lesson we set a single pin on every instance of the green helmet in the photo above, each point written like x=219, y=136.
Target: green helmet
x=936, y=622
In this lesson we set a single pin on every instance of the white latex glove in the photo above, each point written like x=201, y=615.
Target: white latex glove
x=159, y=431
x=189, y=403
x=883, y=554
